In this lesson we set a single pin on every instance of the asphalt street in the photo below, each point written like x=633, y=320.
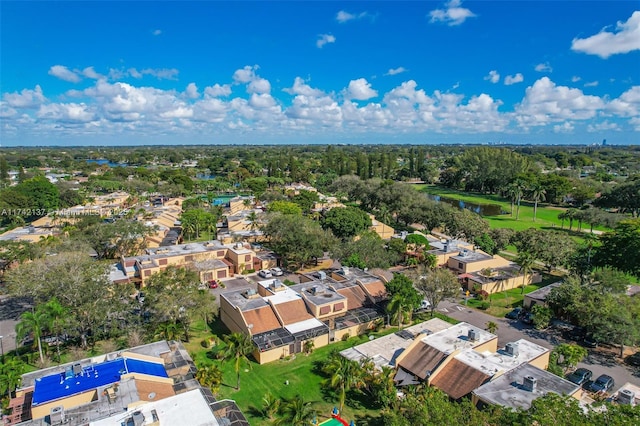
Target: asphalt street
x=599, y=361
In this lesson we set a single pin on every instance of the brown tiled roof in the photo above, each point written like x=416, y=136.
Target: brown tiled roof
x=355, y=297
x=293, y=311
x=458, y=379
x=376, y=289
x=263, y=319
x=422, y=360
x=161, y=390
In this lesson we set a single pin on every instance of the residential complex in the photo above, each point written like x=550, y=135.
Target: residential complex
x=153, y=383
x=322, y=308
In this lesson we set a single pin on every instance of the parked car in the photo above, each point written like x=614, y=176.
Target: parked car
x=527, y=318
x=424, y=305
x=590, y=341
x=602, y=384
x=213, y=284
x=633, y=359
x=515, y=314
x=265, y=273
x=580, y=376
x=277, y=272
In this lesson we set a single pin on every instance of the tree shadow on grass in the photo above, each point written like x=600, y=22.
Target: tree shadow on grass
x=368, y=420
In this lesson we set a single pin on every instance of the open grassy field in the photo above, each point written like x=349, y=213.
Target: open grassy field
x=546, y=218
x=505, y=301
x=302, y=373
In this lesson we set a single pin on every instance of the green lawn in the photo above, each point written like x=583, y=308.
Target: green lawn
x=301, y=372
x=546, y=218
x=505, y=301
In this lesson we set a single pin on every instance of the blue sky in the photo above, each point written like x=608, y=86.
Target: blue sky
x=121, y=73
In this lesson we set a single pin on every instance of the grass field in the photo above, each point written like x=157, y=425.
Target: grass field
x=302, y=373
x=546, y=218
x=505, y=301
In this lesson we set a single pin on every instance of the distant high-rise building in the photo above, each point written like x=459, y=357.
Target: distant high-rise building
x=604, y=142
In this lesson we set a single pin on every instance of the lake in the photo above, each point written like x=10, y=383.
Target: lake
x=103, y=161
x=481, y=209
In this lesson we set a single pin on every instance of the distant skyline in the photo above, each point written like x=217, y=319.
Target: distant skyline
x=215, y=72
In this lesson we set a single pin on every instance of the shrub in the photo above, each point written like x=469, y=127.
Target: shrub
x=484, y=305
x=345, y=337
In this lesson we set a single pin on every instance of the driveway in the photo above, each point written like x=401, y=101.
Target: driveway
x=599, y=360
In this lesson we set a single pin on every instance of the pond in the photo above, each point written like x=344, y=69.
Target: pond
x=102, y=161
x=481, y=209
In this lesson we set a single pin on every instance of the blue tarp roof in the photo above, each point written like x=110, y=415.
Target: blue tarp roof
x=62, y=385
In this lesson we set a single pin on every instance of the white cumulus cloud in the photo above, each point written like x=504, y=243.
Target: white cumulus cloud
x=259, y=85
x=575, y=79
x=191, y=91
x=513, y=79
x=452, y=15
x=300, y=88
x=325, y=39
x=217, y=90
x=493, y=76
x=344, y=16
x=64, y=73
x=591, y=84
x=544, y=67
x=625, y=39
x=26, y=98
x=395, y=71
x=89, y=72
x=245, y=75
x=360, y=90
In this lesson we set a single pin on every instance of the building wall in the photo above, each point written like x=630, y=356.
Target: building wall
x=542, y=362
x=355, y=330
x=232, y=317
x=498, y=286
x=491, y=346
x=466, y=267
x=43, y=410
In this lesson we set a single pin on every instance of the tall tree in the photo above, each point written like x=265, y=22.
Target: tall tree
x=403, y=298
x=34, y=322
x=238, y=348
x=210, y=377
x=621, y=248
x=345, y=222
x=344, y=375
x=435, y=285
x=526, y=262
x=537, y=194
x=297, y=412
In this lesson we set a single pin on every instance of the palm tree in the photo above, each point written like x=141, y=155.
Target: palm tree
x=34, y=322
x=270, y=405
x=168, y=330
x=297, y=412
x=210, y=377
x=518, y=191
x=345, y=375
x=512, y=192
x=253, y=221
x=11, y=370
x=239, y=347
x=396, y=308
x=526, y=262
x=491, y=327
x=58, y=315
x=538, y=193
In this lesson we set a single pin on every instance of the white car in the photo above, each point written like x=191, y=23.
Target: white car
x=277, y=272
x=264, y=273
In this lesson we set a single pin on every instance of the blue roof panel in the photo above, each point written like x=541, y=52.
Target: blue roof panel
x=65, y=384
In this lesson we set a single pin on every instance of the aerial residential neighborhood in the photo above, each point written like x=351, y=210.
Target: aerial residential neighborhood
x=319, y=213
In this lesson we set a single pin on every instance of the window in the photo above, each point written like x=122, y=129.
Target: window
x=162, y=262
x=222, y=274
x=338, y=307
x=325, y=310
x=188, y=258
x=220, y=253
x=460, y=266
x=147, y=273
x=247, y=258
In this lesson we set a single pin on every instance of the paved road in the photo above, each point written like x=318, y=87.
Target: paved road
x=599, y=361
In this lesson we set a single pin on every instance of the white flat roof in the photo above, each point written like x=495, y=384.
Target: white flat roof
x=384, y=350
x=297, y=327
x=189, y=408
x=282, y=296
x=456, y=337
x=490, y=363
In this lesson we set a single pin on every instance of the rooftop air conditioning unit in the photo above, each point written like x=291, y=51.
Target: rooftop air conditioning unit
x=345, y=270
x=529, y=383
x=625, y=396
x=322, y=275
x=473, y=335
x=77, y=369
x=138, y=418
x=511, y=349
x=56, y=416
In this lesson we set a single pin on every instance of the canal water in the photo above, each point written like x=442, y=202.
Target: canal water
x=481, y=209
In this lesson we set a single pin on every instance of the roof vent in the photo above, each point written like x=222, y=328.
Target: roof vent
x=626, y=396
x=473, y=335
x=56, y=416
x=321, y=275
x=529, y=383
x=316, y=290
x=511, y=349
x=138, y=418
